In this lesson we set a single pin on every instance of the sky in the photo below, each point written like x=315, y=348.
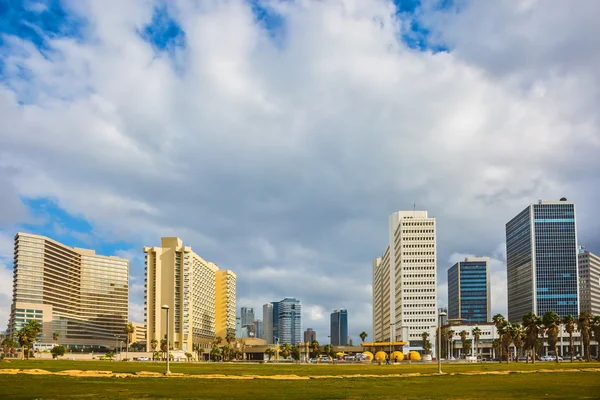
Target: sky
x=275, y=137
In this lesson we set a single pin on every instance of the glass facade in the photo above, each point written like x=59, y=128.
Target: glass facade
x=339, y=328
x=555, y=258
x=468, y=291
x=541, y=255
x=290, y=321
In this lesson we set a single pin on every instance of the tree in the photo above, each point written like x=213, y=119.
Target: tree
x=468, y=345
x=55, y=336
x=270, y=353
x=153, y=345
x=476, y=332
x=518, y=336
x=163, y=347
x=596, y=331
x=295, y=353
x=497, y=346
x=363, y=335
x=216, y=353
x=189, y=356
x=27, y=334
x=426, y=343
x=569, y=323
x=463, y=339
x=218, y=340
x=57, y=351
x=451, y=333
x=505, y=333
x=315, y=348
x=285, y=350
x=498, y=319
x=199, y=350
x=584, y=326
x=328, y=350
x=129, y=330
x=551, y=322
x=532, y=324
x=8, y=345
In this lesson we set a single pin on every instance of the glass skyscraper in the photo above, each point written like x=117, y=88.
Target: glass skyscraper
x=339, y=328
x=469, y=290
x=541, y=260
x=290, y=321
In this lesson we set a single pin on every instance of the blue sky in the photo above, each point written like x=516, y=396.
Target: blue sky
x=276, y=137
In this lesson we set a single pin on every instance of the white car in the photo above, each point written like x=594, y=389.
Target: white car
x=143, y=359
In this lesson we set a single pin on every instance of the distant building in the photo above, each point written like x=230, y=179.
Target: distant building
x=290, y=321
x=469, y=291
x=247, y=315
x=310, y=335
x=75, y=292
x=268, y=323
x=139, y=336
x=350, y=341
x=259, y=329
x=444, y=318
x=540, y=241
x=238, y=327
x=589, y=282
x=339, y=328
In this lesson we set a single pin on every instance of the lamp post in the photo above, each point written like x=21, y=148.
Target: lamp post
x=116, y=345
x=439, y=340
x=166, y=307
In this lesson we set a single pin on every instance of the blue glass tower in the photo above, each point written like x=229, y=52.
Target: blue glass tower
x=339, y=328
x=469, y=291
x=541, y=260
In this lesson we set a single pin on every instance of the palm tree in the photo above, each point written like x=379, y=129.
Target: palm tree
x=451, y=333
x=569, y=323
x=551, y=322
x=328, y=350
x=505, y=333
x=129, y=330
x=27, y=334
x=218, y=340
x=153, y=345
x=463, y=339
x=498, y=319
x=497, y=346
x=198, y=349
x=216, y=352
x=532, y=324
x=596, y=331
x=363, y=335
x=476, y=332
x=315, y=348
x=163, y=346
x=55, y=336
x=584, y=326
x=270, y=352
x=285, y=350
x=518, y=336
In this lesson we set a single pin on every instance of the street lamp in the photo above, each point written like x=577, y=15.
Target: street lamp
x=166, y=307
x=439, y=337
x=116, y=345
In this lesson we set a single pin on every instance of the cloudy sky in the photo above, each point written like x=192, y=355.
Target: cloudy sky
x=276, y=136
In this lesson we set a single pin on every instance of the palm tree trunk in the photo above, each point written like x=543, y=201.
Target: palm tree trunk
x=571, y=347
x=127, y=349
x=556, y=352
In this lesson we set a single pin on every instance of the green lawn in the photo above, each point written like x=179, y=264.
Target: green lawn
x=284, y=369
x=579, y=385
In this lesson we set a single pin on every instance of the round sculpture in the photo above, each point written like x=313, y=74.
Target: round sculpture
x=368, y=355
x=397, y=356
x=414, y=356
x=381, y=356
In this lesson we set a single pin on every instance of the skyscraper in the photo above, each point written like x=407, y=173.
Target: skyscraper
x=589, y=282
x=541, y=260
x=259, y=329
x=201, y=298
x=79, y=294
x=247, y=315
x=310, y=335
x=290, y=321
x=268, y=322
x=469, y=290
x=339, y=328
x=408, y=266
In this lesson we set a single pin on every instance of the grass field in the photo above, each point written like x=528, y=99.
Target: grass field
x=556, y=385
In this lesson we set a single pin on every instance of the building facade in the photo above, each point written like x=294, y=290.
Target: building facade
x=310, y=335
x=139, y=335
x=404, y=280
x=589, y=282
x=247, y=315
x=200, y=297
x=259, y=329
x=469, y=297
x=339, y=328
x=541, y=260
x=268, y=322
x=82, y=296
x=290, y=321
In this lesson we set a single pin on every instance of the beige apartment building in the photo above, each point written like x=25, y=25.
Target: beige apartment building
x=75, y=292
x=139, y=335
x=200, y=297
x=404, y=281
x=589, y=282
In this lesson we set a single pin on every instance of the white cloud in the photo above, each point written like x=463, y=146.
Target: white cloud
x=136, y=312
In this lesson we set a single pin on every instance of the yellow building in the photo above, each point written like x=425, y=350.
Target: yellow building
x=75, y=292
x=139, y=336
x=201, y=298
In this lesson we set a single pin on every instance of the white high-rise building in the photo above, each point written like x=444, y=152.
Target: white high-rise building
x=408, y=265
x=268, y=322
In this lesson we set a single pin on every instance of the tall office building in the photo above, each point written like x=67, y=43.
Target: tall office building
x=290, y=321
x=247, y=315
x=268, y=322
x=201, y=298
x=339, y=328
x=408, y=266
x=75, y=292
x=469, y=290
x=541, y=260
x=589, y=282
x=310, y=335
x=259, y=329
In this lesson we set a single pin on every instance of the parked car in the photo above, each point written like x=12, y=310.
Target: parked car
x=143, y=359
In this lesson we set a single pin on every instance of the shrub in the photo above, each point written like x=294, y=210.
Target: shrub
x=57, y=351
